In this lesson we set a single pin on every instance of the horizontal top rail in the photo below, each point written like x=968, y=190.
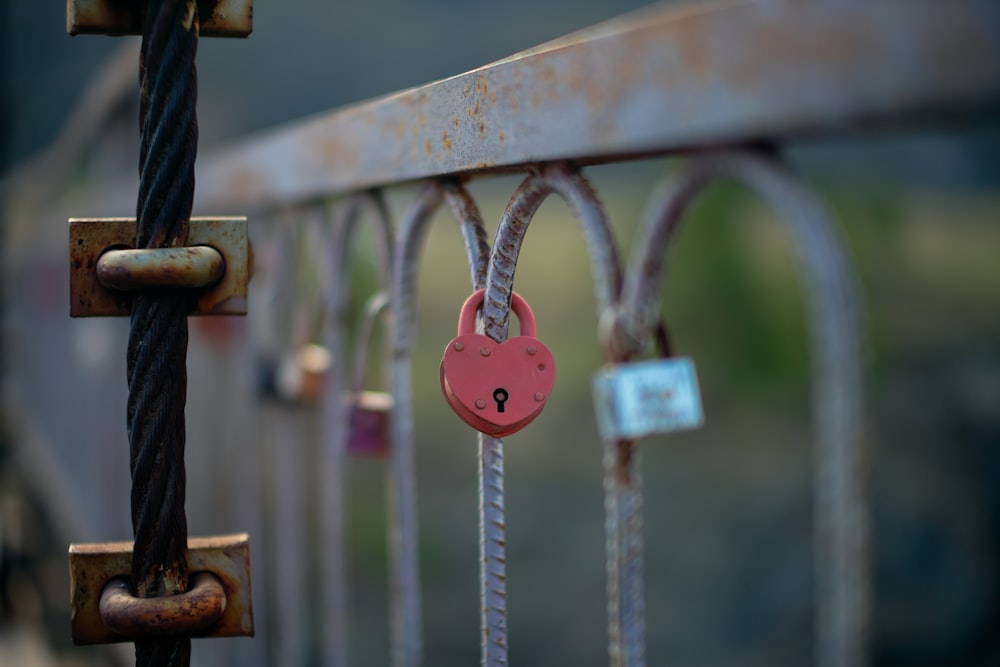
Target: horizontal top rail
x=661, y=79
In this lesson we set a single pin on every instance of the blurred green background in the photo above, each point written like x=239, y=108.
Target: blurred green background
x=728, y=508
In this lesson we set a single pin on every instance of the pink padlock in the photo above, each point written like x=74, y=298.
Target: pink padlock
x=497, y=388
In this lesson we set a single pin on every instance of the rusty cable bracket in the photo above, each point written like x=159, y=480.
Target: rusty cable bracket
x=173, y=615
x=219, y=604
x=104, y=268
x=217, y=18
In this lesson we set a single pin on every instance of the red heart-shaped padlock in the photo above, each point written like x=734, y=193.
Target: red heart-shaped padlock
x=497, y=388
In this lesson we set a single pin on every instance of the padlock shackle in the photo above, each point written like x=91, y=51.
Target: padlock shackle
x=376, y=304
x=467, y=318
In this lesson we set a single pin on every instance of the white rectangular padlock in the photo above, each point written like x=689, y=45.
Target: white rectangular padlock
x=637, y=399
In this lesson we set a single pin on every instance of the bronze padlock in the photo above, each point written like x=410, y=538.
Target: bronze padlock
x=298, y=377
x=369, y=411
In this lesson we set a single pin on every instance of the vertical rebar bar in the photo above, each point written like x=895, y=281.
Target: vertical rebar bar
x=333, y=447
x=623, y=532
x=407, y=626
x=406, y=623
x=335, y=631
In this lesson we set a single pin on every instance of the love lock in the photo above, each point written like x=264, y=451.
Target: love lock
x=637, y=399
x=369, y=411
x=497, y=388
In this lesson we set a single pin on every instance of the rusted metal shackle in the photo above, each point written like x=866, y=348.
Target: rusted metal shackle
x=132, y=270
x=173, y=615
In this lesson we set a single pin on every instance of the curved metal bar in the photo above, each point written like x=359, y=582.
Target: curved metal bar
x=414, y=229
x=406, y=622
x=576, y=191
x=842, y=511
x=334, y=419
x=407, y=625
x=342, y=230
x=569, y=184
x=477, y=245
x=170, y=616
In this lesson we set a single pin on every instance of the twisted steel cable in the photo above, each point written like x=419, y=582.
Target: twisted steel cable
x=157, y=346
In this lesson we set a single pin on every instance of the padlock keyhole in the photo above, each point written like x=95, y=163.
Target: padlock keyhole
x=500, y=395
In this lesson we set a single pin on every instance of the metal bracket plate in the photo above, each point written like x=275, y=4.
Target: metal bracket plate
x=89, y=237
x=218, y=18
x=91, y=566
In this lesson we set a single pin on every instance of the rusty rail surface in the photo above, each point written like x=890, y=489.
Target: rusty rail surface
x=662, y=79
x=665, y=80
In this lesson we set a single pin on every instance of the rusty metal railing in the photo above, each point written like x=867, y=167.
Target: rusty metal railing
x=721, y=84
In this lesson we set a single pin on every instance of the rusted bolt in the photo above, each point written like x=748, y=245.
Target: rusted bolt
x=132, y=270
x=173, y=615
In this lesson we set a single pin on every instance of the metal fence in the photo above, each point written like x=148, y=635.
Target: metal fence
x=723, y=87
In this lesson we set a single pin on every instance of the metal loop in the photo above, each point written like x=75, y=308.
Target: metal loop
x=406, y=624
x=576, y=191
x=341, y=232
x=138, y=269
x=414, y=229
x=842, y=511
x=173, y=615
x=477, y=247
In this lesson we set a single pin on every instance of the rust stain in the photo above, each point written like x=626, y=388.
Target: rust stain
x=513, y=103
x=331, y=150
x=503, y=137
x=482, y=128
x=455, y=123
x=427, y=147
x=446, y=140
